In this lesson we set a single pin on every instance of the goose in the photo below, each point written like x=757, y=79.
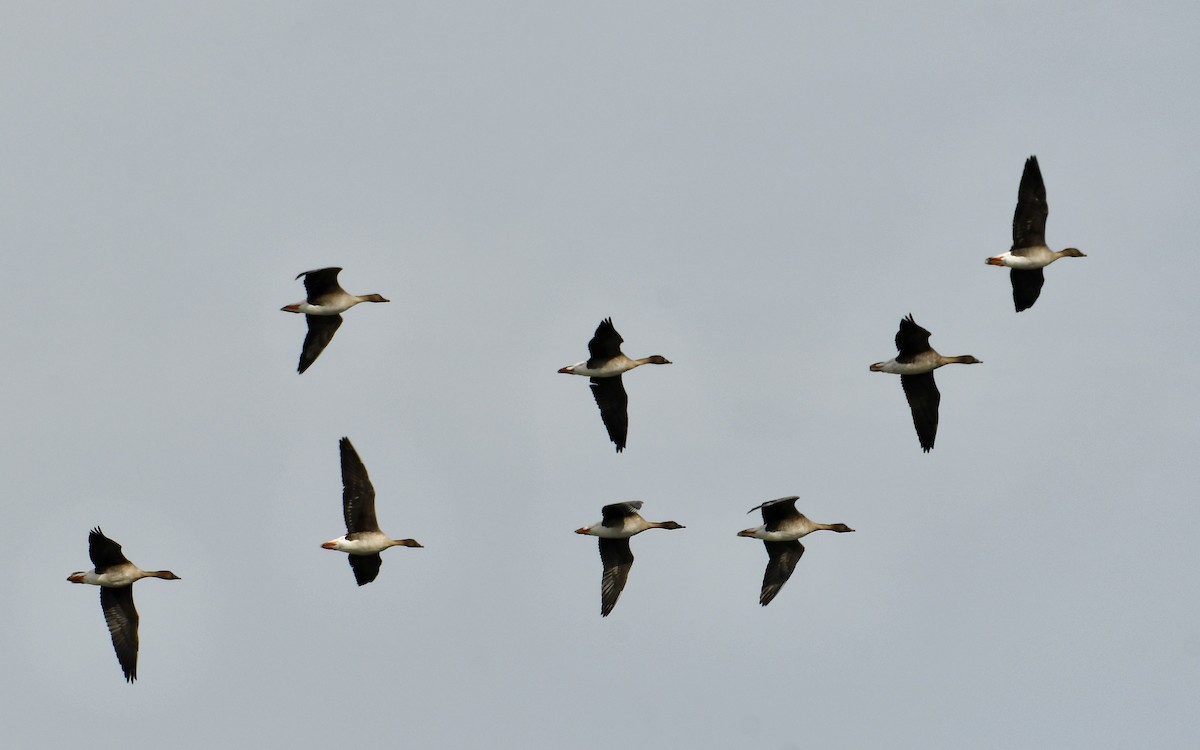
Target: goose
x=363, y=541
x=782, y=528
x=619, y=521
x=115, y=576
x=1029, y=254
x=323, y=306
x=915, y=365
x=604, y=367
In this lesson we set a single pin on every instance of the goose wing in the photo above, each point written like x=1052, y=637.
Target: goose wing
x=366, y=567
x=911, y=339
x=618, y=559
x=1029, y=220
x=923, y=399
x=122, y=619
x=1027, y=286
x=783, y=557
x=614, y=515
x=776, y=511
x=614, y=408
x=358, y=496
x=605, y=344
x=104, y=552
x=320, y=282
x=320, y=332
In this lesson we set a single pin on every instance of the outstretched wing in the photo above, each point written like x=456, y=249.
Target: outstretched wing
x=923, y=399
x=776, y=511
x=320, y=282
x=617, y=559
x=1027, y=286
x=614, y=408
x=911, y=339
x=605, y=343
x=104, y=552
x=358, y=495
x=320, y=332
x=1029, y=220
x=366, y=567
x=783, y=557
x=122, y=619
x=614, y=515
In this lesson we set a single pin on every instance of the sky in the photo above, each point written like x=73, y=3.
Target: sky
x=758, y=192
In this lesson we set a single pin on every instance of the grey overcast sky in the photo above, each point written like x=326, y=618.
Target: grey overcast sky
x=759, y=192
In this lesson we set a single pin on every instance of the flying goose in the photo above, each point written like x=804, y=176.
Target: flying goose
x=782, y=527
x=1029, y=254
x=604, y=367
x=115, y=575
x=323, y=306
x=915, y=365
x=619, y=522
x=363, y=540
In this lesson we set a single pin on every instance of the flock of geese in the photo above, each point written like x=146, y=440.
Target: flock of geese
x=783, y=525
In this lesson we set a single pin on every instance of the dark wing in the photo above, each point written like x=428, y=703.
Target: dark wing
x=614, y=408
x=775, y=511
x=358, y=496
x=617, y=559
x=783, y=559
x=911, y=339
x=320, y=282
x=105, y=552
x=366, y=567
x=605, y=343
x=923, y=399
x=1027, y=285
x=122, y=619
x=1029, y=220
x=320, y=332
x=614, y=515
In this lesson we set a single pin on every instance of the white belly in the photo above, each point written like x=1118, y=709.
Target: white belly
x=919, y=367
x=329, y=308
x=1031, y=258
x=365, y=544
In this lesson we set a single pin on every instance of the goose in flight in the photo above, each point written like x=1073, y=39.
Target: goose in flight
x=619, y=521
x=1029, y=253
x=915, y=365
x=323, y=307
x=605, y=366
x=115, y=576
x=363, y=540
x=782, y=528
